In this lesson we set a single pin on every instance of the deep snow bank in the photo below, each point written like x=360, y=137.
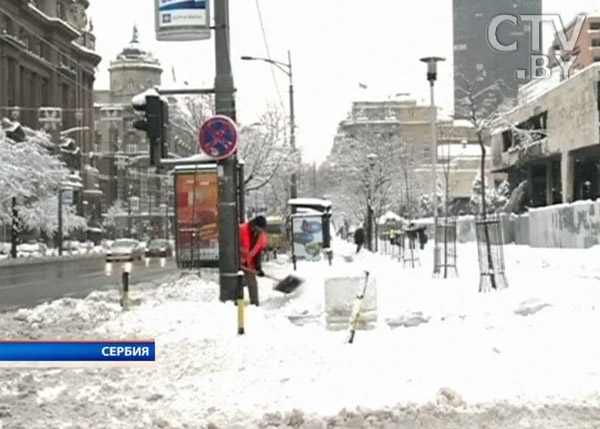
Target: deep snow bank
x=523, y=358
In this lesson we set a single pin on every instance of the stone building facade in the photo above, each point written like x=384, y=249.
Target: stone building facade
x=410, y=123
x=586, y=49
x=121, y=150
x=47, y=72
x=482, y=65
x=553, y=141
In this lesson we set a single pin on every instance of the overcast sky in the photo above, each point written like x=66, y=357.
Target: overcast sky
x=335, y=44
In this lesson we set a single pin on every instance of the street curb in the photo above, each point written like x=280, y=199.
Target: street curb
x=48, y=259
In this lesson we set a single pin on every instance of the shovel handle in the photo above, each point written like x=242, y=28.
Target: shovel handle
x=251, y=271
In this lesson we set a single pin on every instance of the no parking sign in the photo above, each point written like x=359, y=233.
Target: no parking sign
x=218, y=137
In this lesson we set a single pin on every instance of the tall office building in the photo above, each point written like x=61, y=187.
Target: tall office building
x=477, y=63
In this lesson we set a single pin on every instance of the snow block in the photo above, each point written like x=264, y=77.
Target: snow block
x=340, y=296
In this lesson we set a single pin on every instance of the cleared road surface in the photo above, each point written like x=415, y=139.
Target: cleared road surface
x=31, y=284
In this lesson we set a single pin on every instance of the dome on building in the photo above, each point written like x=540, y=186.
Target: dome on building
x=134, y=51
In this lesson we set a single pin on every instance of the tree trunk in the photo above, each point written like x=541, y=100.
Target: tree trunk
x=486, y=231
x=14, y=231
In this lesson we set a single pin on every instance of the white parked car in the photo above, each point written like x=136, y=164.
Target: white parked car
x=125, y=249
x=31, y=249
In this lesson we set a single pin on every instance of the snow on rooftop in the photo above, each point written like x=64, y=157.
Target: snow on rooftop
x=463, y=123
x=200, y=158
x=309, y=202
x=457, y=150
x=390, y=216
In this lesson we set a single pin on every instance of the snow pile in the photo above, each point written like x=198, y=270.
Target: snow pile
x=442, y=355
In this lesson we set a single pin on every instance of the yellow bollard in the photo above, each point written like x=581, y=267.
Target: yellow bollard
x=241, y=307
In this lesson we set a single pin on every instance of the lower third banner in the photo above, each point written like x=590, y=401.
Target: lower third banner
x=69, y=353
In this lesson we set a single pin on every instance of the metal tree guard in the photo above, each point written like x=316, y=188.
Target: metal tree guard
x=490, y=250
x=445, y=248
x=410, y=250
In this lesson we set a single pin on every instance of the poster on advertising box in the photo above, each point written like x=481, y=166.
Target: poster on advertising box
x=182, y=20
x=197, y=215
x=307, y=232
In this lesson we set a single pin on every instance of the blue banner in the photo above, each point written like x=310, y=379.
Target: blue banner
x=182, y=5
x=18, y=351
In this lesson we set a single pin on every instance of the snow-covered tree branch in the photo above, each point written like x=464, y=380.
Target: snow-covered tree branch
x=29, y=173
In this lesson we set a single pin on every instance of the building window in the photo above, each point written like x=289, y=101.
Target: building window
x=129, y=126
x=132, y=146
x=479, y=67
x=426, y=152
x=596, y=43
x=461, y=47
x=61, y=12
x=594, y=26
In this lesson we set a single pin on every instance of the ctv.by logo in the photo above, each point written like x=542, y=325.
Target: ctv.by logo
x=539, y=64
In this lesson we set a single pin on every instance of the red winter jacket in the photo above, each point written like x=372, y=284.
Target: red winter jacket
x=250, y=251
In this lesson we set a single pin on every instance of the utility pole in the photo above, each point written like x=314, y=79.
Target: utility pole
x=14, y=230
x=287, y=69
x=294, y=178
x=229, y=258
x=60, y=222
x=432, y=77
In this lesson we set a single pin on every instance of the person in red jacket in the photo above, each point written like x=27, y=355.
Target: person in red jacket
x=252, y=242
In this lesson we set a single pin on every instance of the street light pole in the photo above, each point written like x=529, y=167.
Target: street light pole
x=432, y=77
x=60, y=222
x=371, y=161
x=293, y=184
x=287, y=69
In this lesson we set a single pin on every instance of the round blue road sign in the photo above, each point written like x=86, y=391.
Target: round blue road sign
x=218, y=137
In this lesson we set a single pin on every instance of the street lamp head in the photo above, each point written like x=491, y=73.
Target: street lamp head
x=247, y=58
x=432, y=67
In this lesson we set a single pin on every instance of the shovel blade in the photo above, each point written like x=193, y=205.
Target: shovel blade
x=289, y=284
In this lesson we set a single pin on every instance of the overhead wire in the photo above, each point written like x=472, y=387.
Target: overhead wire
x=268, y=51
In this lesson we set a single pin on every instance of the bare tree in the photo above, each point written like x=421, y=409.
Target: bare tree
x=366, y=172
x=265, y=151
x=186, y=116
x=475, y=107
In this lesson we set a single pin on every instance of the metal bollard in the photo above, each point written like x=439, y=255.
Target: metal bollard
x=241, y=304
x=125, y=284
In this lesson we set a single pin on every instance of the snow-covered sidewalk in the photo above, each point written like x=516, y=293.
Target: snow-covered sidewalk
x=442, y=356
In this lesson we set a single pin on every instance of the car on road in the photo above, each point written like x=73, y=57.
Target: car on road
x=159, y=247
x=125, y=249
x=72, y=247
x=4, y=248
x=31, y=249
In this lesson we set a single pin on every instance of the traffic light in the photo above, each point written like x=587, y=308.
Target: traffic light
x=155, y=123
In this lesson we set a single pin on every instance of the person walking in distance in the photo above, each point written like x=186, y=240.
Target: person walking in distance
x=359, y=238
x=252, y=242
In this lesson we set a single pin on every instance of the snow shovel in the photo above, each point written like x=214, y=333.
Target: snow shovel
x=286, y=285
x=356, y=310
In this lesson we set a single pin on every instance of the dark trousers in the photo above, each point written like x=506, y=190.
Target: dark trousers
x=358, y=247
x=252, y=285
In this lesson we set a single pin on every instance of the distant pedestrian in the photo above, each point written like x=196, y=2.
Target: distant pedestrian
x=422, y=237
x=252, y=242
x=359, y=238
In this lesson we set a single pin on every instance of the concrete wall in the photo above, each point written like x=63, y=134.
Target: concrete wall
x=572, y=114
x=575, y=225
x=565, y=226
